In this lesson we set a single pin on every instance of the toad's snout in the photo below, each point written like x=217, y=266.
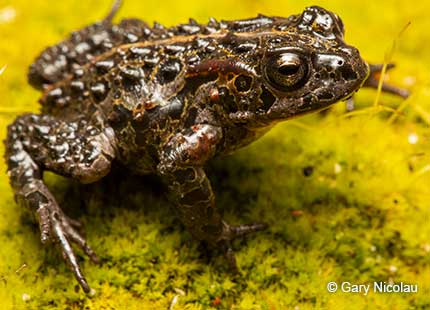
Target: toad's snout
x=338, y=69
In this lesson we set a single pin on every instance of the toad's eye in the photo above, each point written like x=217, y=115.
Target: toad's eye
x=286, y=71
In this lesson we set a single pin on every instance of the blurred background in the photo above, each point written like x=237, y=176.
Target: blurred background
x=347, y=195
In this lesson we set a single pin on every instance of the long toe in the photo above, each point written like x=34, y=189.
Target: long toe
x=373, y=81
x=66, y=235
x=231, y=260
x=242, y=230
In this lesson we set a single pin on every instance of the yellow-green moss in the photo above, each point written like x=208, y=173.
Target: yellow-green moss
x=363, y=214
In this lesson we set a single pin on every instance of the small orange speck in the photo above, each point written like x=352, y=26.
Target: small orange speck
x=214, y=94
x=216, y=301
x=296, y=213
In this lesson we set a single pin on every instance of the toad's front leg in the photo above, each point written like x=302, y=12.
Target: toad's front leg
x=75, y=149
x=373, y=81
x=190, y=190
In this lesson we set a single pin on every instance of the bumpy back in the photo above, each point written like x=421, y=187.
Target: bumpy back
x=82, y=46
x=55, y=62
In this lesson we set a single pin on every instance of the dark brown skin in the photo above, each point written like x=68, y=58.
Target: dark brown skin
x=166, y=101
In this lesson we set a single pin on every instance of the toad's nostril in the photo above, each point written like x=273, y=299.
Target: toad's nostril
x=347, y=73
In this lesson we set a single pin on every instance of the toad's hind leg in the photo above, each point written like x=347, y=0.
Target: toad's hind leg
x=191, y=192
x=75, y=149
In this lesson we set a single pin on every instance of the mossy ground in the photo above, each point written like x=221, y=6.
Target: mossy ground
x=362, y=215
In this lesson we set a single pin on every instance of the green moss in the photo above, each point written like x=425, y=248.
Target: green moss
x=361, y=216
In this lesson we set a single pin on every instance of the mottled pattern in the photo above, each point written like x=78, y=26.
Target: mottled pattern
x=166, y=101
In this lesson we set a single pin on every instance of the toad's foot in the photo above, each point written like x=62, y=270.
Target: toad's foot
x=232, y=232
x=56, y=227
x=373, y=81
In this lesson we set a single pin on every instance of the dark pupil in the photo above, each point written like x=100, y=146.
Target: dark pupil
x=288, y=69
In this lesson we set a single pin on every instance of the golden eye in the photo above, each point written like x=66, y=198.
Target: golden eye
x=286, y=71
